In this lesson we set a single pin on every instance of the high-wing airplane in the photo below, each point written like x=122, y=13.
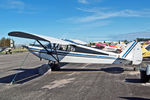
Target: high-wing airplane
x=7, y=49
x=2, y=49
x=70, y=51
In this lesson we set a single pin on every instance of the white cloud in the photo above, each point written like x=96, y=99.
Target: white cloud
x=98, y=38
x=17, y=6
x=131, y=36
x=89, y=1
x=105, y=13
x=83, y=1
x=12, y=4
x=91, y=25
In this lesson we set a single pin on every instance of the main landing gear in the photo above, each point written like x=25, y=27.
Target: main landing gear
x=54, y=65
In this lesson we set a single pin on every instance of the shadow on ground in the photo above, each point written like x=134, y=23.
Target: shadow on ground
x=24, y=76
x=112, y=70
x=134, y=98
x=32, y=73
x=133, y=80
x=21, y=77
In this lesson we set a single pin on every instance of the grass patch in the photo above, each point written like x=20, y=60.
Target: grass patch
x=20, y=50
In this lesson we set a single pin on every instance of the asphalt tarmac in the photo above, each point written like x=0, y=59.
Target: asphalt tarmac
x=72, y=82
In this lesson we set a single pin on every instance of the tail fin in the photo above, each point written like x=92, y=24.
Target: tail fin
x=133, y=53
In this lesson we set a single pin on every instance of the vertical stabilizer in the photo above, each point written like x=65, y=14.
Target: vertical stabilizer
x=133, y=53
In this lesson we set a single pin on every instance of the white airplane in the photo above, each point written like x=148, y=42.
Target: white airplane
x=7, y=49
x=69, y=51
x=2, y=49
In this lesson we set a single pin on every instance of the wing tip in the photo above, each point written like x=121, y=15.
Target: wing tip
x=13, y=33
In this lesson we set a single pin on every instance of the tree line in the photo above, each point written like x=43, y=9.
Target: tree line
x=143, y=39
x=5, y=42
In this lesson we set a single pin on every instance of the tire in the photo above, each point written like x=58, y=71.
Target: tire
x=55, y=67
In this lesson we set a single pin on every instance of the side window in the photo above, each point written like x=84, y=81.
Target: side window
x=66, y=48
x=72, y=48
x=62, y=47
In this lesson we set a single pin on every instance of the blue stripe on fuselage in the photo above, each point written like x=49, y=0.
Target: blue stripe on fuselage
x=74, y=54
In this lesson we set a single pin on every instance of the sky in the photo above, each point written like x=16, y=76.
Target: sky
x=86, y=20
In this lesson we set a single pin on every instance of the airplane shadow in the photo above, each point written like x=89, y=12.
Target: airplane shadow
x=135, y=98
x=133, y=80
x=32, y=73
x=112, y=70
x=24, y=76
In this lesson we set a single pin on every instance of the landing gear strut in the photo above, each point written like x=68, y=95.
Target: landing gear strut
x=54, y=65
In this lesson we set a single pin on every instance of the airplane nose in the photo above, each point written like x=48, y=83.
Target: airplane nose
x=24, y=46
x=33, y=50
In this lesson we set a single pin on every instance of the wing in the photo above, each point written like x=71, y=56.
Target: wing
x=76, y=41
x=38, y=37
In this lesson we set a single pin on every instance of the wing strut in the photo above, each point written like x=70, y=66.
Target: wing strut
x=48, y=52
x=55, y=48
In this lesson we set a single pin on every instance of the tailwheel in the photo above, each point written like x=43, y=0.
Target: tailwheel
x=54, y=65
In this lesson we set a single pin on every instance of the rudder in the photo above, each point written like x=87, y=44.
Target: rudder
x=133, y=53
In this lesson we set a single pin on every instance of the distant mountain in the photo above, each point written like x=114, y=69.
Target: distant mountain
x=131, y=36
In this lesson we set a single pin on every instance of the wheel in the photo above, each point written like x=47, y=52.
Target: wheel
x=54, y=66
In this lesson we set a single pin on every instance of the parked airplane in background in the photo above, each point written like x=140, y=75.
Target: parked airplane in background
x=107, y=47
x=146, y=52
x=69, y=51
x=2, y=49
x=7, y=49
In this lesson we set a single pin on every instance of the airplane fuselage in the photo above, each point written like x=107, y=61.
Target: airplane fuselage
x=74, y=57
